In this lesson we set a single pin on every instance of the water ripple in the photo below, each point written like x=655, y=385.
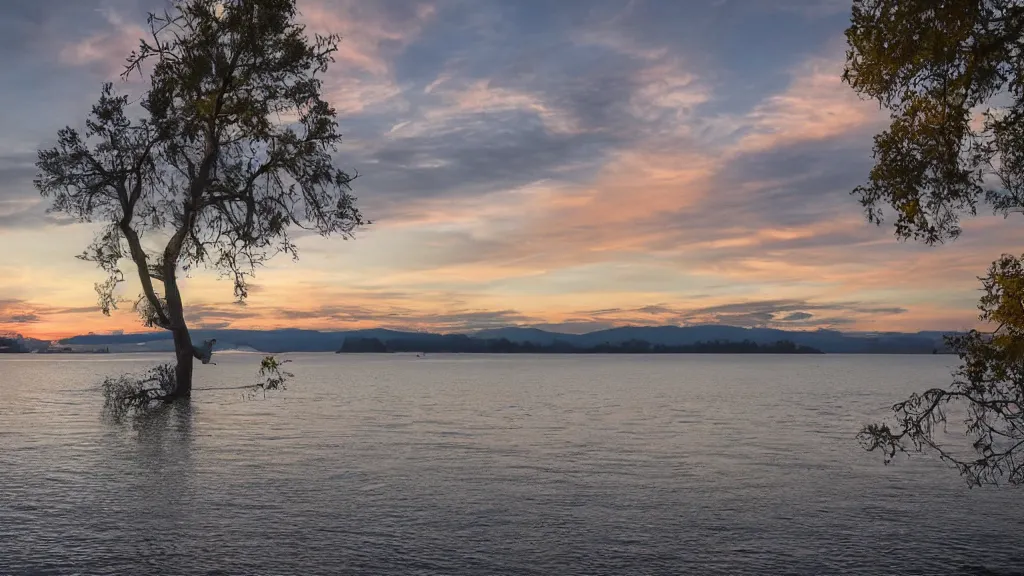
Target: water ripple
x=489, y=465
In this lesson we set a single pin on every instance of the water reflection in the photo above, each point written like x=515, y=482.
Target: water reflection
x=154, y=453
x=165, y=423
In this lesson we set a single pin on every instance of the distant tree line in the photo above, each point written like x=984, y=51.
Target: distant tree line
x=465, y=344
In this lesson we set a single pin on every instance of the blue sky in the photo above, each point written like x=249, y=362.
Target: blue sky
x=573, y=164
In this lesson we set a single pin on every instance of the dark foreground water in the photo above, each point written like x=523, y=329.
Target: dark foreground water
x=489, y=465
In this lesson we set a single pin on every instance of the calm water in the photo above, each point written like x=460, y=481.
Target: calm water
x=488, y=465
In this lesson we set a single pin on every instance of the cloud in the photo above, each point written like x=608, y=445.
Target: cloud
x=21, y=315
x=208, y=325
x=786, y=312
x=501, y=117
x=573, y=326
x=15, y=313
x=363, y=78
x=816, y=106
x=32, y=26
x=403, y=318
x=398, y=315
x=332, y=317
x=781, y=174
x=481, y=97
x=811, y=9
x=779, y=190
x=105, y=50
x=212, y=315
x=374, y=33
x=777, y=313
x=29, y=215
x=17, y=169
x=465, y=160
x=20, y=204
x=584, y=164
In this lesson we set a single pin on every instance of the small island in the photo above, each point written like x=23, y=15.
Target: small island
x=460, y=344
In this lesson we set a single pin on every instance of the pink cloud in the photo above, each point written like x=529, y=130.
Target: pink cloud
x=368, y=32
x=107, y=48
x=362, y=76
x=816, y=106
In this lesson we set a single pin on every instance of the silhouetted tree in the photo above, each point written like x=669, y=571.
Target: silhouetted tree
x=950, y=73
x=228, y=147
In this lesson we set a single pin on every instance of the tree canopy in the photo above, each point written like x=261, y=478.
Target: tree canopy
x=230, y=145
x=950, y=73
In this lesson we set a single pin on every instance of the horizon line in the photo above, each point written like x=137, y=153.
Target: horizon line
x=470, y=331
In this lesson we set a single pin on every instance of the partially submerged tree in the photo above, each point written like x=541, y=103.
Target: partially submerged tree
x=229, y=146
x=127, y=394
x=952, y=76
x=130, y=395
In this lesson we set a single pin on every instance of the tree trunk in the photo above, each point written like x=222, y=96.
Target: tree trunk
x=183, y=370
x=183, y=351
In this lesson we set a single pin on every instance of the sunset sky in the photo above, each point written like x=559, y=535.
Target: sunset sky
x=570, y=164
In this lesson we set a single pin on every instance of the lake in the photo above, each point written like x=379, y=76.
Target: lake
x=466, y=464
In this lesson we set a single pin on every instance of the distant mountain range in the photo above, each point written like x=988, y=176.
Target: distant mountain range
x=18, y=343
x=297, y=340
x=462, y=344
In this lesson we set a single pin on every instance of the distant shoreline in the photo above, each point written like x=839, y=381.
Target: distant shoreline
x=428, y=354
x=284, y=340
x=537, y=353
x=505, y=346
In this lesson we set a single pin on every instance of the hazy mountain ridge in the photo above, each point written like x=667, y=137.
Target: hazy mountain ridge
x=19, y=343
x=299, y=340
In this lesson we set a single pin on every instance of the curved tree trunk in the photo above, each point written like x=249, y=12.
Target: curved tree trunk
x=183, y=351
